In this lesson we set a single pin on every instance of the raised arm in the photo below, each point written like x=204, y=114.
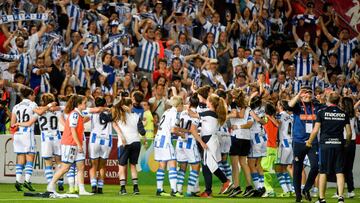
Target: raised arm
x=48, y=50
x=295, y=99
x=200, y=15
x=325, y=30
x=296, y=37
x=76, y=47
x=42, y=30
x=288, y=12
x=136, y=30
x=68, y=32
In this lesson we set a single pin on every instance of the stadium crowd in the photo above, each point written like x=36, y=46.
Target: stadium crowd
x=256, y=62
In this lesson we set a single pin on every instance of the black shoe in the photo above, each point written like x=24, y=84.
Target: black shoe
x=322, y=200
x=94, y=189
x=249, y=191
x=28, y=186
x=122, y=191
x=99, y=191
x=306, y=195
x=256, y=193
x=341, y=199
x=162, y=193
x=235, y=192
x=229, y=191
x=262, y=191
x=19, y=187
x=176, y=194
x=136, y=190
x=60, y=187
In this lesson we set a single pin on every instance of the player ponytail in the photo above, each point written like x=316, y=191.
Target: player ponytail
x=73, y=102
x=118, y=111
x=219, y=105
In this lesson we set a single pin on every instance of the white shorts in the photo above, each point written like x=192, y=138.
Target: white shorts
x=50, y=144
x=24, y=141
x=187, y=151
x=68, y=153
x=285, y=153
x=81, y=156
x=258, y=146
x=99, y=146
x=225, y=143
x=163, y=149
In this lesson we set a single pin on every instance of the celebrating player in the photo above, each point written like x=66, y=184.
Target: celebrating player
x=128, y=125
x=241, y=122
x=100, y=145
x=284, y=153
x=164, y=151
x=187, y=151
x=71, y=141
x=24, y=115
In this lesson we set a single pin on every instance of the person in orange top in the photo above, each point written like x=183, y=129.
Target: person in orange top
x=71, y=140
x=271, y=128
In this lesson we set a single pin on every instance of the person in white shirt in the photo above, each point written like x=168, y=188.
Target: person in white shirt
x=128, y=126
x=164, y=151
x=187, y=152
x=100, y=144
x=23, y=119
x=285, y=151
x=241, y=122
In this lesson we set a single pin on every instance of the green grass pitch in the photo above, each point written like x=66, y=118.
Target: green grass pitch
x=8, y=194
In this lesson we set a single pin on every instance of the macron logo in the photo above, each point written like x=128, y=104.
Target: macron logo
x=336, y=115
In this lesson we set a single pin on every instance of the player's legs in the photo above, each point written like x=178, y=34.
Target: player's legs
x=62, y=170
x=134, y=177
x=280, y=171
x=181, y=176
x=235, y=170
x=29, y=170
x=299, y=156
x=172, y=176
x=160, y=175
x=314, y=167
x=245, y=167
x=93, y=178
x=193, y=178
x=225, y=166
x=322, y=185
x=80, y=165
x=57, y=159
x=49, y=173
x=254, y=172
x=20, y=165
x=71, y=178
x=102, y=175
x=260, y=171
